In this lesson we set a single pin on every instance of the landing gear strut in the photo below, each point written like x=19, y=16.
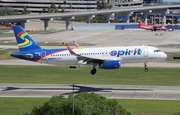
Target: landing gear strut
x=93, y=71
x=145, y=67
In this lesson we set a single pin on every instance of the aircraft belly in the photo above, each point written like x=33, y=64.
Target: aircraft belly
x=156, y=59
x=65, y=62
x=141, y=60
x=59, y=61
x=135, y=60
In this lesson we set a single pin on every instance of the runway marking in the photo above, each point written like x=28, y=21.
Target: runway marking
x=109, y=91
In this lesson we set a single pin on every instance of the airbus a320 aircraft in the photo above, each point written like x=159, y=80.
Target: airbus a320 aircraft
x=104, y=57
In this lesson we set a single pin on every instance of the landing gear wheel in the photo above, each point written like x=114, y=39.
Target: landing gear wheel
x=93, y=71
x=146, y=69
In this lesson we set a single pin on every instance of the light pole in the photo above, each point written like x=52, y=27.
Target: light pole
x=73, y=101
x=159, y=18
x=154, y=19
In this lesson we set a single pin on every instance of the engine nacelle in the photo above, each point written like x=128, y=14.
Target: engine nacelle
x=113, y=64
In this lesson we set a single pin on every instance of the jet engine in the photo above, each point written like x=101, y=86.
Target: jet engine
x=113, y=64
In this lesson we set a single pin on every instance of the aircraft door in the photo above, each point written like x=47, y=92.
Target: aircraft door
x=145, y=52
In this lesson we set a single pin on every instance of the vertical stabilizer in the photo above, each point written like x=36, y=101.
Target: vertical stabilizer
x=24, y=41
x=141, y=24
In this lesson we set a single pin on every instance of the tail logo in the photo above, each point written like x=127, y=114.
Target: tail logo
x=26, y=42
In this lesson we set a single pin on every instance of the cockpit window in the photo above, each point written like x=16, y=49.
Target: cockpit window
x=157, y=50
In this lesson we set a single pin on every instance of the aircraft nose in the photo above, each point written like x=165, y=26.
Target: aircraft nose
x=164, y=55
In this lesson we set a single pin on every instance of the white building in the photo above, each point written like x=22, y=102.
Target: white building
x=36, y=6
x=122, y=3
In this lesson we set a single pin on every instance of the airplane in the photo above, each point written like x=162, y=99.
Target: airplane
x=150, y=27
x=104, y=57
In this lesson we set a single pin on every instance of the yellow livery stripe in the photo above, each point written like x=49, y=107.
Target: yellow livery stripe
x=24, y=43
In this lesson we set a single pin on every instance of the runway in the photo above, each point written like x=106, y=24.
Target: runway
x=109, y=91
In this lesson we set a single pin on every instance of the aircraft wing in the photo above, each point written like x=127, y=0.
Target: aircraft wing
x=90, y=59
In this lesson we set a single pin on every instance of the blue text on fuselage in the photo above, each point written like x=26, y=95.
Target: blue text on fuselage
x=118, y=53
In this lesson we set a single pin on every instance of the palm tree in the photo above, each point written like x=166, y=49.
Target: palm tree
x=44, y=10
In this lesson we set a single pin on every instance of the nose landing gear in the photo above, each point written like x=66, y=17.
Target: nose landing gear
x=145, y=67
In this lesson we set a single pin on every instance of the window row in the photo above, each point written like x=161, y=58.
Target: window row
x=80, y=54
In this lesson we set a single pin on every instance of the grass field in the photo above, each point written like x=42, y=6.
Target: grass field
x=81, y=75
x=171, y=57
x=5, y=54
x=151, y=107
x=18, y=106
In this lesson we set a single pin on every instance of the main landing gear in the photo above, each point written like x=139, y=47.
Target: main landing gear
x=93, y=71
x=145, y=67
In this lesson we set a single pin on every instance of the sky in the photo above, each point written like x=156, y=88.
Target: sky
x=171, y=0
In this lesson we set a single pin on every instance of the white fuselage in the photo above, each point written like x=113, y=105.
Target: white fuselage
x=126, y=54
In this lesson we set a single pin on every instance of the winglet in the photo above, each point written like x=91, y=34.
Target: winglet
x=71, y=51
x=76, y=44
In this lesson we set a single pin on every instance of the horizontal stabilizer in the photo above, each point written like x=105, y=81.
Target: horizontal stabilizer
x=22, y=55
x=26, y=55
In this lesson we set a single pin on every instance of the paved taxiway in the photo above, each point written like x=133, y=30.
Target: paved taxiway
x=109, y=91
x=108, y=37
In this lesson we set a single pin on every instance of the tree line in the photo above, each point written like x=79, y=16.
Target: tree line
x=84, y=104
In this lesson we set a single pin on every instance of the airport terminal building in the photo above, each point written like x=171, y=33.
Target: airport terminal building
x=36, y=6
